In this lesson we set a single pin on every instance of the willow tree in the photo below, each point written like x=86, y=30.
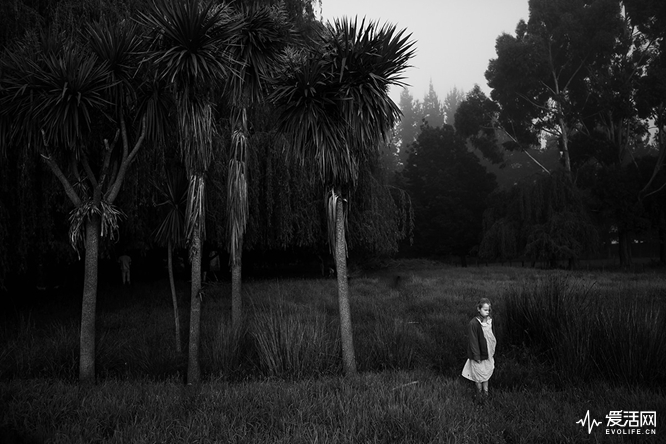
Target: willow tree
x=77, y=105
x=336, y=110
x=542, y=219
x=188, y=51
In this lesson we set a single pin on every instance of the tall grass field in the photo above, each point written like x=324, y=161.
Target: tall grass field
x=580, y=357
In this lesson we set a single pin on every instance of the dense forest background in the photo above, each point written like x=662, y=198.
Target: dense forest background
x=573, y=132
x=562, y=162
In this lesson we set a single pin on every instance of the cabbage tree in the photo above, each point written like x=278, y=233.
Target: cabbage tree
x=79, y=106
x=335, y=108
x=188, y=49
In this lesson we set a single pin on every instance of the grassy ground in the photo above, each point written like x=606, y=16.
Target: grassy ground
x=388, y=407
x=278, y=379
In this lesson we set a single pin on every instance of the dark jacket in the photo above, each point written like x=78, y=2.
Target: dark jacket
x=477, y=347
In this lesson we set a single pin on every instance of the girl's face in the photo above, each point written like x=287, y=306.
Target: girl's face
x=484, y=311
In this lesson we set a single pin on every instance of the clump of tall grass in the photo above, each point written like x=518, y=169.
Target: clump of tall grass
x=586, y=334
x=294, y=343
x=637, y=351
x=229, y=352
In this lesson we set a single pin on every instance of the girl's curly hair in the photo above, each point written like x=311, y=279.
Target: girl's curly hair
x=482, y=302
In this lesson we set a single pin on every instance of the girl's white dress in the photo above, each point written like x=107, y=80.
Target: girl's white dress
x=481, y=372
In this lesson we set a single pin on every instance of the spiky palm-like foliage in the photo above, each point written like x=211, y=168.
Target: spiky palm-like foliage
x=335, y=107
x=261, y=34
x=190, y=41
x=71, y=102
x=189, y=50
x=173, y=192
x=53, y=90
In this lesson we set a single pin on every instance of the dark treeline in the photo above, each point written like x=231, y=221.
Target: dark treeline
x=573, y=131
x=603, y=129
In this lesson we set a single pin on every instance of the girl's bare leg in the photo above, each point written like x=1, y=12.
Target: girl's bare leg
x=484, y=386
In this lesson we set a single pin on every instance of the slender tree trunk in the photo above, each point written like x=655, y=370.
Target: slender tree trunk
x=236, y=299
x=625, y=248
x=662, y=236
x=89, y=303
x=174, y=299
x=238, y=207
x=347, y=340
x=565, y=147
x=563, y=126
x=193, y=370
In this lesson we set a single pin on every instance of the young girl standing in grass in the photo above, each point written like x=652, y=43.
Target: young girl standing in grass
x=480, y=348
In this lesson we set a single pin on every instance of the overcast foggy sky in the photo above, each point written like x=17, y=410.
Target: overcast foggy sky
x=455, y=38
